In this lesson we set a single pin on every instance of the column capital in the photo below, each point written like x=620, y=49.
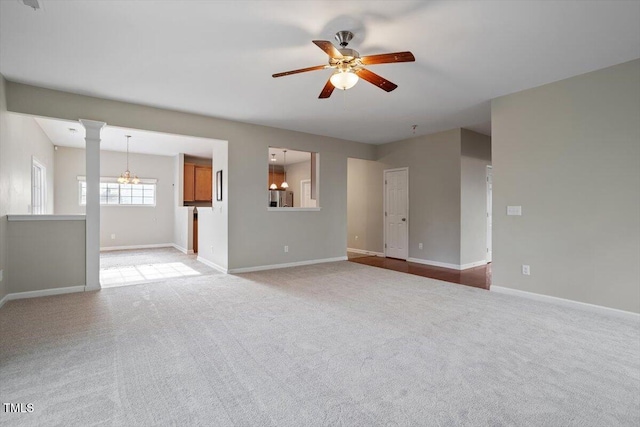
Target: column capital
x=93, y=128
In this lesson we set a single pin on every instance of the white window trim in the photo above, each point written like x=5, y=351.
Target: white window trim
x=44, y=190
x=111, y=179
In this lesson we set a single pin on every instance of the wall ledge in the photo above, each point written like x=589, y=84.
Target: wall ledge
x=600, y=309
x=46, y=217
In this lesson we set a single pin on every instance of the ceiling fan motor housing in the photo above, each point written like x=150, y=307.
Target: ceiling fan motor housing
x=344, y=37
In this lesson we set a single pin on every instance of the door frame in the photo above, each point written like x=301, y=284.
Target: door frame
x=489, y=219
x=384, y=208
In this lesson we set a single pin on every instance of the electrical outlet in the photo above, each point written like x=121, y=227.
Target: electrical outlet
x=286, y=248
x=1, y=275
x=113, y=237
x=211, y=249
x=356, y=237
x=526, y=270
x=420, y=246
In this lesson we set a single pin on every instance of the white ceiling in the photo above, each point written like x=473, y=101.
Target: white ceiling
x=216, y=57
x=113, y=139
x=293, y=156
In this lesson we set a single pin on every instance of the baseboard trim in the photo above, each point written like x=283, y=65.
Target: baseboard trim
x=473, y=264
x=362, y=251
x=446, y=264
x=41, y=293
x=568, y=303
x=183, y=250
x=285, y=265
x=124, y=248
x=212, y=265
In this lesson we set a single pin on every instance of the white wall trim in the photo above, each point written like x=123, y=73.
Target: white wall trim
x=123, y=248
x=291, y=209
x=212, y=265
x=473, y=264
x=46, y=217
x=362, y=251
x=434, y=263
x=568, y=303
x=446, y=264
x=183, y=250
x=41, y=293
x=285, y=265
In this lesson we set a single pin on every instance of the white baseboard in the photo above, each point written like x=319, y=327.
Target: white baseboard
x=183, y=250
x=286, y=265
x=41, y=293
x=212, y=265
x=362, y=251
x=124, y=248
x=446, y=264
x=568, y=303
x=473, y=264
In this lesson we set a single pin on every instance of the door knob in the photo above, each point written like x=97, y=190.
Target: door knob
x=404, y=219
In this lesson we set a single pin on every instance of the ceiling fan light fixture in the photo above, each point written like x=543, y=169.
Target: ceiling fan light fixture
x=344, y=80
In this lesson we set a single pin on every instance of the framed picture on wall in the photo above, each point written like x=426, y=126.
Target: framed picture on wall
x=219, y=185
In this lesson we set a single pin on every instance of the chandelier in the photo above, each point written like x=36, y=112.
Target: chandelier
x=126, y=177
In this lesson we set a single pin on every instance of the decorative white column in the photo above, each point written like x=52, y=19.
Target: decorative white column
x=92, y=156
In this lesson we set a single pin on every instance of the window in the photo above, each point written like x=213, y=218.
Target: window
x=114, y=194
x=38, y=188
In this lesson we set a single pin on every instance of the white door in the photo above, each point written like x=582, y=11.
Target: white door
x=489, y=210
x=305, y=190
x=396, y=210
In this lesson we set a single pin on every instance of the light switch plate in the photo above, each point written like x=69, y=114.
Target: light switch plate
x=1, y=275
x=514, y=210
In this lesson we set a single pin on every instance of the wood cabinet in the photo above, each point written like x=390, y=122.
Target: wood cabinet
x=203, y=184
x=197, y=183
x=277, y=177
x=189, y=182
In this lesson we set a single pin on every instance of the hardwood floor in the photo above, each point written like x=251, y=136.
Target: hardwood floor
x=478, y=277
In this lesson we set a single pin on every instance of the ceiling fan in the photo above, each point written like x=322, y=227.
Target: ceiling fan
x=349, y=65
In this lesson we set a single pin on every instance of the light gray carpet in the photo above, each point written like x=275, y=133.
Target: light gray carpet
x=330, y=344
x=132, y=267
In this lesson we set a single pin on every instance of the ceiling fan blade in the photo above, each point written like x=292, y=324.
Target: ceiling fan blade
x=387, y=58
x=302, y=70
x=375, y=79
x=329, y=48
x=327, y=90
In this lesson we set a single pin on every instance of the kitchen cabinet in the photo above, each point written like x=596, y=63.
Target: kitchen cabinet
x=203, y=183
x=189, y=182
x=197, y=183
x=277, y=177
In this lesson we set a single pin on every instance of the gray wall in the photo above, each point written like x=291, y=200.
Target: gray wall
x=46, y=254
x=255, y=236
x=20, y=139
x=132, y=225
x=475, y=157
x=434, y=192
x=569, y=153
x=364, y=206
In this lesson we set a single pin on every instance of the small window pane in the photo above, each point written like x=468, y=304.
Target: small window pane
x=122, y=194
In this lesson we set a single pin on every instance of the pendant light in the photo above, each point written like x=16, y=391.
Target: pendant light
x=284, y=184
x=273, y=185
x=126, y=177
